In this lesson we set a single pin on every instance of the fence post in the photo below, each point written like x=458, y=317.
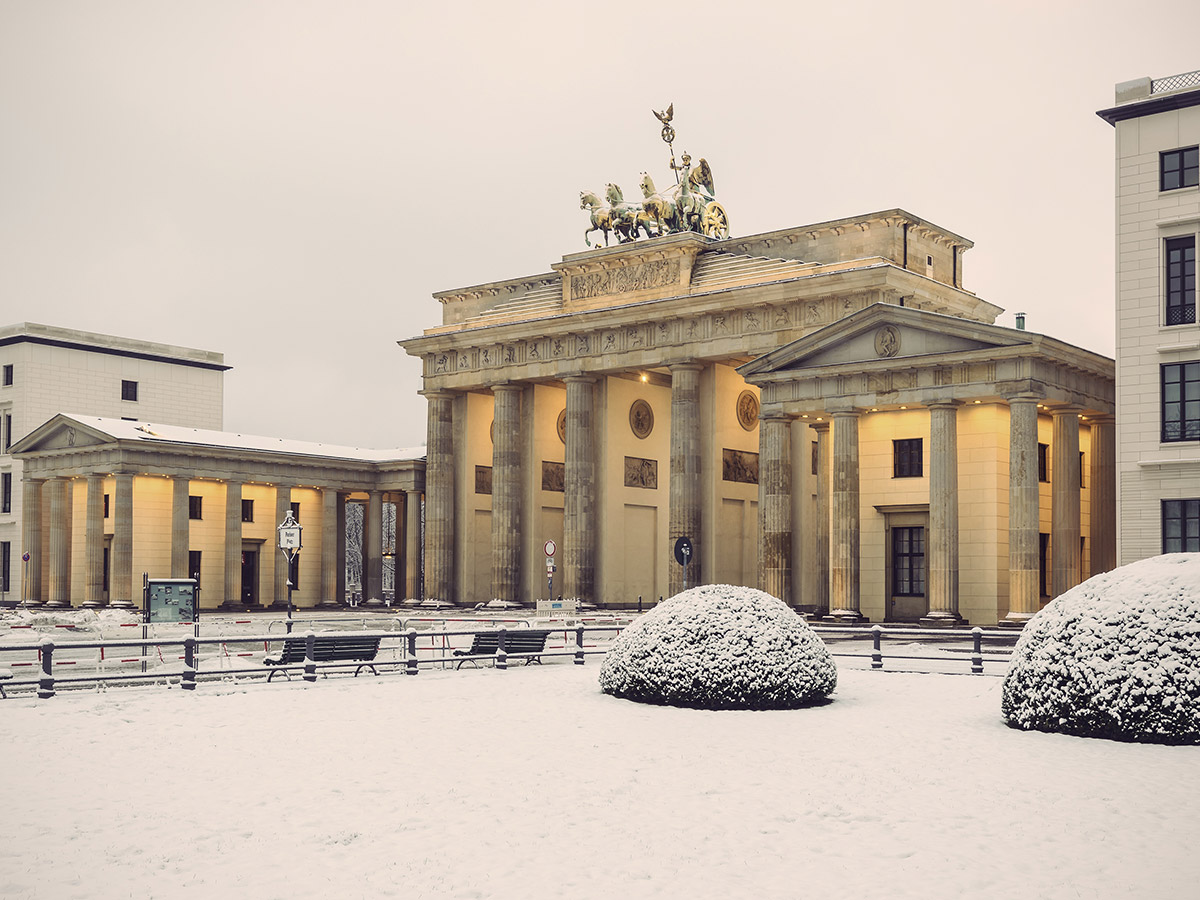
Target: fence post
x=877, y=654
x=977, y=656
x=501, y=651
x=188, y=683
x=46, y=682
x=310, y=657
x=410, y=640
x=579, y=645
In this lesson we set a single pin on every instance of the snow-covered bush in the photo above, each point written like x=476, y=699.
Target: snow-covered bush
x=1116, y=657
x=720, y=647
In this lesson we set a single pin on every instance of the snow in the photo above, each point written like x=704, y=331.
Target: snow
x=1117, y=656
x=720, y=646
x=533, y=783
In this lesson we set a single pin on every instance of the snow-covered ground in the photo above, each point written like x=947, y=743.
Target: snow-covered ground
x=531, y=783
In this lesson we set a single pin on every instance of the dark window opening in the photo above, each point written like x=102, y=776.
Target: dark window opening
x=814, y=457
x=908, y=562
x=1179, y=168
x=1081, y=470
x=296, y=511
x=195, y=507
x=1181, y=402
x=5, y=566
x=247, y=510
x=5, y=492
x=129, y=390
x=106, y=508
x=7, y=431
x=1043, y=563
x=907, y=458
x=1044, y=462
x=1181, y=281
x=1181, y=526
x=8, y=375
x=104, y=574
x=194, y=565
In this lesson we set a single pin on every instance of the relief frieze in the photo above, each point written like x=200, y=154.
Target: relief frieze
x=641, y=473
x=626, y=279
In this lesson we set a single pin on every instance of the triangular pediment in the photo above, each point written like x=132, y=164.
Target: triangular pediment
x=884, y=332
x=62, y=433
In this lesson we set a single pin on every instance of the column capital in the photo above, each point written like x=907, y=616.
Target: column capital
x=1022, y=397
x=819, y=426
x=843, y=412
x=685, y=365
x=579, y=378
x=774, y=415
x=942, y=404
x=1104, y=419
x=438, y=394
x=511, y=386
x=1063, y=409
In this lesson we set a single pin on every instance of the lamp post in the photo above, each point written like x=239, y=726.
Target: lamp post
x=289, y=544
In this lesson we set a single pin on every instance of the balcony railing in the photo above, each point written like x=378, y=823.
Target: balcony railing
x=1175, y=82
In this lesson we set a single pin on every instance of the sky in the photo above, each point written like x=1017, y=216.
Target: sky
x=289, y=182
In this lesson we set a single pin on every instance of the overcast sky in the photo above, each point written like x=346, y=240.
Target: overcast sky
x=289, y=182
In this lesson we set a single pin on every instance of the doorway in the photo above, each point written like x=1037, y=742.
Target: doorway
x=250, y=577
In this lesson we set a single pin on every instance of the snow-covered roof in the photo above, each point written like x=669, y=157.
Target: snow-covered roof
x=126, y=430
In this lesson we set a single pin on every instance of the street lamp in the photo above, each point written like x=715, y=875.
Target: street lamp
x=289, y=544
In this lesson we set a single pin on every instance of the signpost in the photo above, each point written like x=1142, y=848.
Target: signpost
x=168, y=600
x=25, y=580
x=550, y=606
x=683, y=555
x=290, y=534
x=550, y=547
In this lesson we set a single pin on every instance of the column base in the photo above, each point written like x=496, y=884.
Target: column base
x=329, y=604
x=57, y=604
x=1014, y=620
x=845, y=617
x=942, y=620
x=94, y=604
x=280, y=605
x=374, y=603
x=122, y=604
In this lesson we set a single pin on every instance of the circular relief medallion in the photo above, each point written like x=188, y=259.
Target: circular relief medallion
x=641, y=418
x=887, y=341
x=561, y=426
x=747, y=410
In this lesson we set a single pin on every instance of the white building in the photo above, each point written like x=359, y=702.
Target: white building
x=1158, y=337
x=46, y=370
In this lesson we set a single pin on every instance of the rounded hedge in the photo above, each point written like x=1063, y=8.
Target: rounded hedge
x=1116, y=657
x=719, y=646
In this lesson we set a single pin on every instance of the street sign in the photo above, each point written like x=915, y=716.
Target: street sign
x=25, y=556
x=683, y=550
x=550, y=548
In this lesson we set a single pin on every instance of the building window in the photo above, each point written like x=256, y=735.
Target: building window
x=247, y=510
x=1044, y=563
x=104, y=575
x=195, y=507
x=1044, y=462
x=1181, y=526
x=7, y=432
x=5, y=492
x=814, y=457
x=908, y=562
x=906, y=458
x=1181, y=402
x=5, y=566
x=8, y=375
x=106, y=506
x=1179, y=168
x=1181, y=280
x=129, y=390
x=194, y=565
x=1082, y=469
x=296, y=511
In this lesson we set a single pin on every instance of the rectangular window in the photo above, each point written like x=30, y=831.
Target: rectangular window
x=1181, y=402
x=8, y=375
x=247, y=510
x=195, y=507
x=1181, y=280
x=194, y=565
x=1044, y=563
x=129, y=390
x=814, y=457
x=5, y=566
x=104, y=578
x=296, y=511
x=106, y=513
x=1044, y=462
x=908, y=562
x=7, y=432
x=1181, y=526
x=1178, y=168
x=5, y=492
x=906, y=458
x=1082, y=469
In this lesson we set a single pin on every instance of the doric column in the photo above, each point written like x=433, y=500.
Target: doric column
x=506, y=493
x=685, y=494
x=60, y=543
x=412, y=544
x=439, y=497
x=1024, y=571
x=31, y=540
x=373, y=550
x=844, y=536
x=233, y=543
x=181, y=530
x=93, y=543
x=943, y=514
x=121, y=582
x=330, y=508
x=579, y=502
x=775, y=505
x=821, y=531
x=283, y=505
x=1064, y=506
x=1103, y=480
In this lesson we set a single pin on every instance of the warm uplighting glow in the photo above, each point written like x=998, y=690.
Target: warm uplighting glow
x=904, y=407
x=978, y=401
x=645, y=377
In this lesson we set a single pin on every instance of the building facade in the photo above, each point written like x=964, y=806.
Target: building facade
x=1157, y=126
x=792, y=402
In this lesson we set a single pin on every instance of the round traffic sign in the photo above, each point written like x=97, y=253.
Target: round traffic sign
x=550, y=547
x=25, y=556
x=683, y=550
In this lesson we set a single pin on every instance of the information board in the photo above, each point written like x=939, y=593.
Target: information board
x=171, y=600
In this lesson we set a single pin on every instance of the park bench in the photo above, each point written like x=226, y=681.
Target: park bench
x=327, y=648
x=517, y=641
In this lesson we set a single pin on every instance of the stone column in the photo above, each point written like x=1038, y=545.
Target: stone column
x=121, y=561
x=283, y=505
x=31, y=540
x=181, y=527
x=775, y=505
x=943, y=514
x=60, y=543
x=821, y=532
x=844, y=536
x=506, y=493
x=93, y=543
x=1024, y=571
x=329, y=547
x=412, y=544
x=439, y=497
x=373, y=550
x=1103, y=480
x=579, y=502
x=685, y=489
x=233, y=543
x=1064, y=506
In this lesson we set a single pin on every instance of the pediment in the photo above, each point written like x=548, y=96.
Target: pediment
x=885, y=332
x=62, y=433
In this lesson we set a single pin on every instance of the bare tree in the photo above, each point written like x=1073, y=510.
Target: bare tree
x=354, y=544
